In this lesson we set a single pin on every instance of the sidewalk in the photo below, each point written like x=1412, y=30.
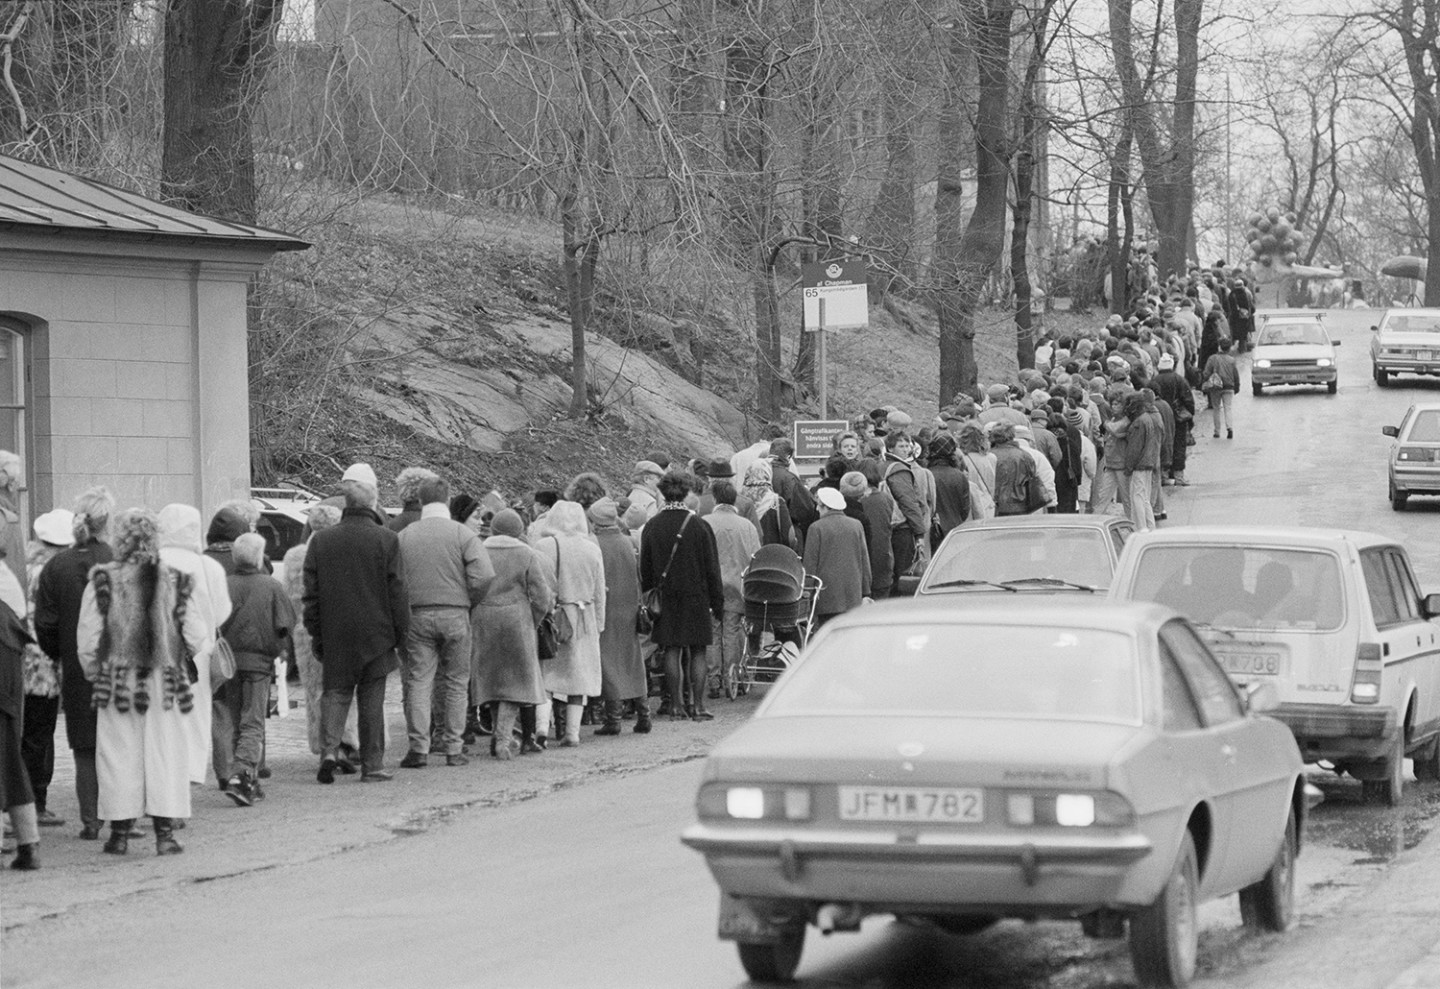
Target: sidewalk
x=301, y=820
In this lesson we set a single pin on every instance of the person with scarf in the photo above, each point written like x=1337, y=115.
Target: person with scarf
x=577, y=568
x=622, y=669
x=41, y=673
x=772, y=515
x=57, y=616
x=137, y=635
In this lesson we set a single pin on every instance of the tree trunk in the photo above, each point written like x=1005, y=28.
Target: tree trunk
x=215, y=54
x=1019, y=257
x=1119, y=252
x=950, y=215
x=579, y=258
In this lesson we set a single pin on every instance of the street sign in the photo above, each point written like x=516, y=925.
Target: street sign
x=842, y=286
x=813, y=437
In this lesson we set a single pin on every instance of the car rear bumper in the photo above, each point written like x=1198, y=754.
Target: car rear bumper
x=1326, y=731
x=1416, y=480
x=1406, y=365
x=1047, y=876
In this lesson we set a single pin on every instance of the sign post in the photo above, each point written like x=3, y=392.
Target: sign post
x=836, y=298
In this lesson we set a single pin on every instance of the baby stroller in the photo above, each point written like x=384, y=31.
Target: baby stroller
x=779, y=599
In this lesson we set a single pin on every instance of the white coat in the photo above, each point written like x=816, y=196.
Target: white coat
x=580, y=590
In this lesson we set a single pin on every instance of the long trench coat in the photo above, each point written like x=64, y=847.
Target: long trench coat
x=622, y=669
x=506, y=666
x=580, y=590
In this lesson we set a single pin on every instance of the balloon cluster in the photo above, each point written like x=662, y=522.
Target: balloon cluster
x=1274, y=237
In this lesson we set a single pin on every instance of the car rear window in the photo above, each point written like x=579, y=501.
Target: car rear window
x=1077, y=555
x=1250, y=587
x=1413, y=324
x=969, y=670
x=1426, y=427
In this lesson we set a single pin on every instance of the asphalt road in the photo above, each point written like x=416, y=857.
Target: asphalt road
x=585, y=885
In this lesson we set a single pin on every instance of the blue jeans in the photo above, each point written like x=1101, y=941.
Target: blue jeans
x=437, y=647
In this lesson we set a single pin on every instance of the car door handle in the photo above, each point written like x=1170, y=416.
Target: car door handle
x=1228, y=751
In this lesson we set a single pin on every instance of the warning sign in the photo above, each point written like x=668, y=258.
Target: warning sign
x=813, y=437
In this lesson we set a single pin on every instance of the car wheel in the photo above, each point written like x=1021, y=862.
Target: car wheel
x=1332, y=386
x=1382, y=377
x=1256, y=389
x=964, y=924
x=1389, y=790
x=1398, y=498
x=1427, y=763
x=1269, y=905
x=1165, y=936
x=773, y=962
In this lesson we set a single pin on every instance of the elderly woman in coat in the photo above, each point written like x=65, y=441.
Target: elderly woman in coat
x=692, y=594
x=139, y=626
x=506, y=664
x=571, y=556
x=622, y=670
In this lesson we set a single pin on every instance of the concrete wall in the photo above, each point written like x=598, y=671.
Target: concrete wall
x=138, y=371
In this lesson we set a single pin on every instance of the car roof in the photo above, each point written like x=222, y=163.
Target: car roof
x=1316, y=314
x=1057, y=521
x=1091, y=613
x=1417, y=311
x=1297, y=535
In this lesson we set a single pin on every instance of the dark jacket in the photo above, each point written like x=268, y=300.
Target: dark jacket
x=61, y=585
x=1143, y=442
x=1224, y=366
x=802, y=507
x=900, y=481
x=836, y=552
x=856, y=511
x=878, y=507
x=15, y=790
x=1174, y=389
x=409, y=514
x=693, y=591
x=952, y=495
x=356, y=607
x=260, y=619
x=1014, y=474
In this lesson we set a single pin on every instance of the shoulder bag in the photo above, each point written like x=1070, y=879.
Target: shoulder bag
x=1213, y=383
x=222, y=661
x=554, y=629
x=650, y=600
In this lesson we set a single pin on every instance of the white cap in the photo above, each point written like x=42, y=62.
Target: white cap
x=362, y=473
x=54, y=527
x=831, y=498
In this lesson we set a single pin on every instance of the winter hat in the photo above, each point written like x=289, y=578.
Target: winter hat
x=720, y=468
x=1167, y=362
x=55, y=527
x=635, y=517
x=997, y=393
x=854, y=485
x=462, y=506
x=226, y=526
x=1074, y=417
x=831, y=498
x=898, y=420
x=507, y=523
x=363, y=473
x=604, y=513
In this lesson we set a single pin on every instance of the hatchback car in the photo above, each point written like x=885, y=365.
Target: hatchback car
x=1406, y=340
x=1085, y=760
x=1414, y=466
x=1292, y=347
x=1334, y=619
x=1028, y=554
x=282, y=520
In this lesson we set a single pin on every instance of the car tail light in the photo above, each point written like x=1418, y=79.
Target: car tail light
x=1416, y=454
x=1047, y=808
x=1369, y=666
x=754, y=803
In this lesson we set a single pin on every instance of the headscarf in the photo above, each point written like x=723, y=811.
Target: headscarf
x=180, y=527
x=567, y=518
x=758, y=480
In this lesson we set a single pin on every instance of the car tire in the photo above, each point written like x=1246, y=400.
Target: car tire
x=1398, y=498
x=1390, y=790
x=1382, y=377
x=1332, y=386
x=1164, y=937
x=1427, y=762
x=1256, y=390
x=964, y=925
x=1269, y=905
x=774, y=962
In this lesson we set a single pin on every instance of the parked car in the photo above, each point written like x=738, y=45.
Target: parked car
x=1292, y=347
x=1405, y=340
x=1334, y=619
x=282, y=520
x=1028, y=553
x=1085, y=760
x=1414, y=466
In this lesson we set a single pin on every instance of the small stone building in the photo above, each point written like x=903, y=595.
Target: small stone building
x=123, y=342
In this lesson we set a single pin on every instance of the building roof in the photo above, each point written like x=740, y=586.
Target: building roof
x=37, y=199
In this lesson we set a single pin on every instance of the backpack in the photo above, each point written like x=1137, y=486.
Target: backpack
x=897, y=517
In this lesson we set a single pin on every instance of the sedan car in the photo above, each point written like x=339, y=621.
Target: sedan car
x=1292, y=347
x=1028, y=554
x=1086, y=760
x=1406, y=340
x=1414, y=466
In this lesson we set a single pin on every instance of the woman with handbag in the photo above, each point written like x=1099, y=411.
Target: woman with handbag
x=679, y=560
x=570, y=554
x=1220, y=380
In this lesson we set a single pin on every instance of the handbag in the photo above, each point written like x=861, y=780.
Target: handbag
x=547, y=646
x=1034, y=496
x=222, y=661
x=555, y=628
x=650, y=600
x=1213, y=383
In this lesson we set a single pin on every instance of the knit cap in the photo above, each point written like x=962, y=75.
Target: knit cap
x=507, y=522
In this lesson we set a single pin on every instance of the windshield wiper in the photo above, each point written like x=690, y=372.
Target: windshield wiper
x=1052, y=581
x=1213, y=628
x=964, y=582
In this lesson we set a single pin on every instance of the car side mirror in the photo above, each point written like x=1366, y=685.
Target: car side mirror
x=1374, y=329
x=1390, y=430
x=1334, y=343
x=1262, y=696
x=1431, y=605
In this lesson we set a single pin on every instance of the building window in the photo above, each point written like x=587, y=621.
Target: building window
x=14, y=421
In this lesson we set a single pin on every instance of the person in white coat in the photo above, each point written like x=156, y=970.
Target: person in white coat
x=573, y=560
x=182, y=547
x=139, y=631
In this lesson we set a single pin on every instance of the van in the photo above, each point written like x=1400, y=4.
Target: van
x=1334, y=619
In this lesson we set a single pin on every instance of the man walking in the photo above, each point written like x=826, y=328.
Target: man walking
x=357, y=613
x=446, y=572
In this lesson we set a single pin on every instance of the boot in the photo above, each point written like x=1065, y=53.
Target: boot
x=119, y=840
x=573, y=714
x=165, y=843
x=27, y=857
x=1180, y=479
x=558, y=710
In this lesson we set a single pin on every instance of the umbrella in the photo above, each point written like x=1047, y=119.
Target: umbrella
x=1404, y=266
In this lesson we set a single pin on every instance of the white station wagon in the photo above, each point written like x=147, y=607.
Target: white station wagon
x=1335, y=619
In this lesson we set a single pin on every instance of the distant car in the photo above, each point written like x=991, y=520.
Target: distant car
x=1414, y=466
x=1405, y=340
x=1334, y=619
x=1028, y=554
x=1082, y=760
x=1292, y=347
x=282, y=520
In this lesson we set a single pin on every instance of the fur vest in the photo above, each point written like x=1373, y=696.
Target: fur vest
x=142, y=608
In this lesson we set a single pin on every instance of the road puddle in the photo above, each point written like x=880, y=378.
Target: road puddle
x=1344, y=820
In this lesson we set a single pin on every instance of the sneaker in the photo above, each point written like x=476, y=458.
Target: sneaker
x=238, y=789
x=1229, y=434
x=414, y=760
x=377, y=776
x=1181, y=482
x=327, y=771
x=458, y=759
x=47, y=819
x=642, y=726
